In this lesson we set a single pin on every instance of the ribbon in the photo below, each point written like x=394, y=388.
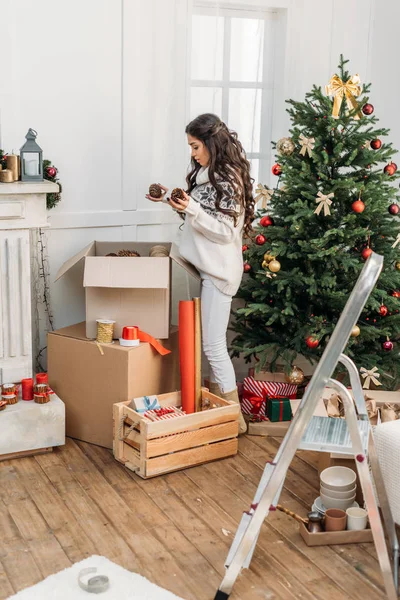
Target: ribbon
x=256, y=403
x=147, y=338
x=370, y=375
x=337, y=88
x=397, y=241
x=263, y=193
x=148, y=405
x=307, y=145
x=324, y=203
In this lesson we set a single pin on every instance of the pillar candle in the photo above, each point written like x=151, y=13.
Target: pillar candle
x=12, y=165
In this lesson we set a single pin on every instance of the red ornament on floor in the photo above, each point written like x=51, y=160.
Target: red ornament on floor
x=383, y=310
x=394, y=209
x=376, y=144
x=277, y=169
x=260, y=239
x=366, y=253
x=246, y=267
x=358, y=206
x=266, y=221
x=312, y=342
x=368, y=109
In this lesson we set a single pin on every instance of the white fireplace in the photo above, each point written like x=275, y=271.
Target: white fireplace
x=22, y=209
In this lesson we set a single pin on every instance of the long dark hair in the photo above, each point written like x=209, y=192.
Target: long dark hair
x=228, y=160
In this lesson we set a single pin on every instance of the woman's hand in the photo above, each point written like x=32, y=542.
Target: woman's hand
x=161, y=198
x=180, y=205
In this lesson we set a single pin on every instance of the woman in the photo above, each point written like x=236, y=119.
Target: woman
x=218, y=208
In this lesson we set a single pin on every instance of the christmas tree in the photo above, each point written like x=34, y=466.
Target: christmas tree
x=333, y=204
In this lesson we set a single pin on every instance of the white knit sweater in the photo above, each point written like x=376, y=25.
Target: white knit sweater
x=210, y=240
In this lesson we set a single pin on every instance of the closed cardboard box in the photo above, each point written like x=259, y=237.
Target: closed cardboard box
x=127, y=290
x=90, y=382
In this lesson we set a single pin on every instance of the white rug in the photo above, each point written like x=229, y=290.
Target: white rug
x=124, y=585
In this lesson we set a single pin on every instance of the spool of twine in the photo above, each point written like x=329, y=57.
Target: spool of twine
x=6, y=176
x=12, y=165
x=41, y=398
x=105, y=331
x=11, y=398
x=159, y=251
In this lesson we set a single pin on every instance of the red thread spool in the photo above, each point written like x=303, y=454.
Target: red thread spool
x=42, y=378
x=27, y=389
x=130, y=332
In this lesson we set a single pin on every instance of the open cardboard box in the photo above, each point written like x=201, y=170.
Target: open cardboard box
x=127, y=290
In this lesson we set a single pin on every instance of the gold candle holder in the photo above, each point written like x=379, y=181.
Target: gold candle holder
x=12, y=165
x=6, y=176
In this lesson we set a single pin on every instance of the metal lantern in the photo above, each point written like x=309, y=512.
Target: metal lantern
x=31, y=156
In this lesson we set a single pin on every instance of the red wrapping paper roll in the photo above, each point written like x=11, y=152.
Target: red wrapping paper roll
x=187, y=354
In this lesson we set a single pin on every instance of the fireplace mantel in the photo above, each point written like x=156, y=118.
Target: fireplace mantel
x=22, y=208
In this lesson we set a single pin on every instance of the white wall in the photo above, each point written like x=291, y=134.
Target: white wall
x=104, y=84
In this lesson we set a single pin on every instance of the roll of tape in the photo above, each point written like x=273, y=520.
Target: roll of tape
x=93, y=585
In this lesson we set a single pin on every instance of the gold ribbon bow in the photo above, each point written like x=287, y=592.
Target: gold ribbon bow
x=324, y=203
x=397, y=241
x=264, y=194
x=370, y=375
x=337, y=88
x=307, y=145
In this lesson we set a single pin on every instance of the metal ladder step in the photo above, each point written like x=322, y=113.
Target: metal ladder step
x=332, y=435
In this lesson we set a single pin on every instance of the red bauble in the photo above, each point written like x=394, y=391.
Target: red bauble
x=394, y=209
x=390, y=169
x=312, y=342
x=376, y=144
x=387, y=346
x=366, y=253
x=244, y=248
x=368, y=109
x=246, y=267
x=277, y=169
x=383, y=310
x=358, y=206
x=396, y=294
x=51, y=171
x=260, y=239
x=266, y=221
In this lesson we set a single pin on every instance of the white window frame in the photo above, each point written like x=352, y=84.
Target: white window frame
x=267, y=83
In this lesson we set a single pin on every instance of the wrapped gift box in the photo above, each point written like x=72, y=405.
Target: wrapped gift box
x=252, y=405
x=279, y=409
x=263, y=389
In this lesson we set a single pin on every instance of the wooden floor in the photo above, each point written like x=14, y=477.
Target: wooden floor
x=58, y=508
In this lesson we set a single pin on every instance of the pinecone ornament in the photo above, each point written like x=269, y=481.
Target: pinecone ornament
x=155, y=191
x=123, y=253
x=177, y=194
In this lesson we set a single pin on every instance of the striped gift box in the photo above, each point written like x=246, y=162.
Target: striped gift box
x=160, y=415
x=252, y=404
x=264, y=389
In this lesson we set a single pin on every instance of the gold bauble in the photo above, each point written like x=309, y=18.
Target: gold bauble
x=268, y=257
x=285, y=146
x=274, y=266
x=397, y=265
x=264, y=264
x=355, y=332
x=295, y=376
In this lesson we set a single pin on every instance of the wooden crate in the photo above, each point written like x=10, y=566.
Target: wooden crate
x=154, y=448
x=332, y=538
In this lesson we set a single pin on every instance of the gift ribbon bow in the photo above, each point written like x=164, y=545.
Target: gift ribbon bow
x=370, y=375
x=307, y=145
x=397, y=241
x=337, y=88
x=256, y=403
x=148, y=405
x=324, y=203
x=264, y=194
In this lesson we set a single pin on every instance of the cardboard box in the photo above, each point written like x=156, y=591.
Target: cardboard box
x=331, y=538
x=89, y=383
x=279, y=429
x=128, y=290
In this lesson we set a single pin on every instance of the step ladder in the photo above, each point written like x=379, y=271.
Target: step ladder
x=351, y=435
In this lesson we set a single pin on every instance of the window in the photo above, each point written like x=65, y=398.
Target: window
x=232, y=75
